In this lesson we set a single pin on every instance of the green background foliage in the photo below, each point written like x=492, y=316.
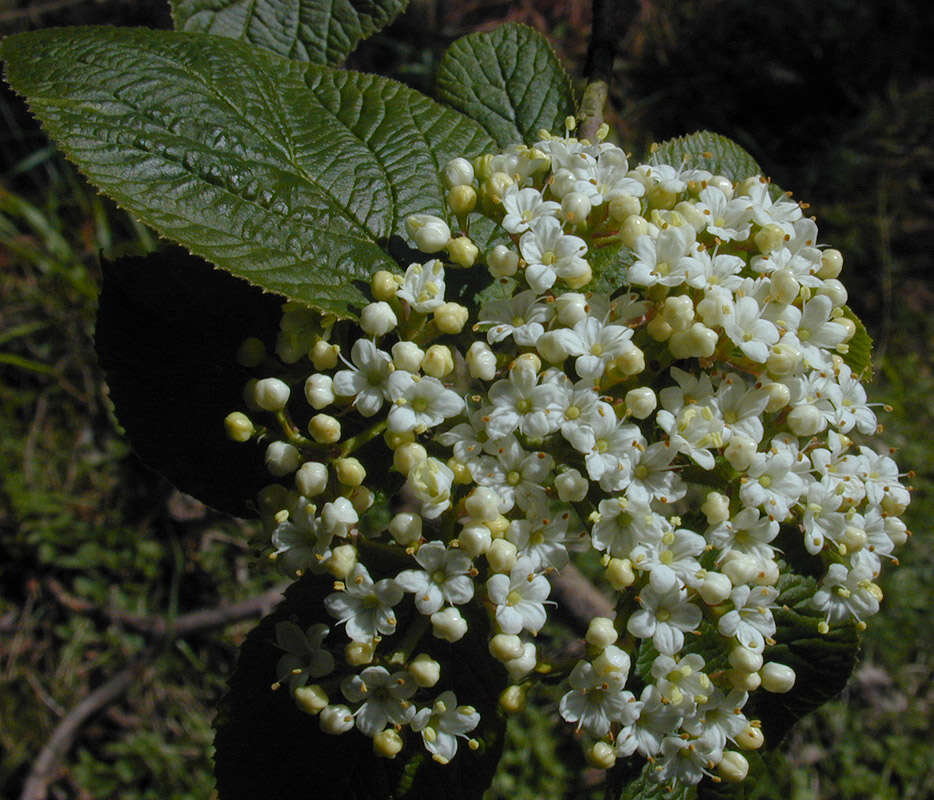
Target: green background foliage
x=77, y=510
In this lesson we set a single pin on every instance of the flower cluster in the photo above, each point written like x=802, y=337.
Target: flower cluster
x=654, y=363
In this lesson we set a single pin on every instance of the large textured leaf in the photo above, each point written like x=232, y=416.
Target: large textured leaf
x=509, y=80
x=168, y=328
x=319, y=31
x=822, y=662
x=266, y=748
x=290, y=175
x=710, y=151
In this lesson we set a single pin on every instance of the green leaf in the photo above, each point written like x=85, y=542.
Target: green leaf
x=318, y=31
x=267, y=748
x=707, y=150
x=609, y=264
x=168, y=329
x=509, y=80
x=859, y=349
x=293, y=176
x=822, y=662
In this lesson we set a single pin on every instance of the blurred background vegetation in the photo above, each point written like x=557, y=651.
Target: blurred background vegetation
x=834, y=99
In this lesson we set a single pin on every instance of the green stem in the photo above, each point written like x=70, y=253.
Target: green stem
x=356, y=442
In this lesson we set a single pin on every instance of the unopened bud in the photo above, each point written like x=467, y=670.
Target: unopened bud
x=239, y=427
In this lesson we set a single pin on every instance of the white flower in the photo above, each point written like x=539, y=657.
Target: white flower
x=521, y=317
x=364, y=606
x=625, y=523
x=682, y=682
x=420, y=403
x=423, y=286
x=771, y=484
x=430, y=481
x=443, y=578
x=750, y=621
x=304, y=658
x=385, y=698
x=665, y=616
x=597, y=700
x=545, y=541
x=551, y=254
x=726, y=219
x=516, y=474
x=595, y=344
x=525, y=207
x=442, y=723
x=521, y=402
x=519, y=598
x=749, y=331
x=663, y=260
x=847, y=593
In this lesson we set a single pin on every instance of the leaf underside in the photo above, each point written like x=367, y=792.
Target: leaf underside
x=290, y=175
x=317, y=31
x=508, y=80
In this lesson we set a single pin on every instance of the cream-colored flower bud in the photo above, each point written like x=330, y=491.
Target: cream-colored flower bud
x=747, y=186
x=349, y=471
x=311, y=479
x=779, y=397
x=562, y=182
x=739, y=567
x=359, y=653
x=475, y=540
x=498, y=526
x=335, y=720
x=388, y=743
x=431, y=234
x=847, y=324
x=462, y=199
x=622, y=206
x=378, y=318
x=745, y=660
x=501, y=556
x=805, y=420
x=619, y=573
x=271, y=394
x=319, y=390
x=361, y=498
x=716, y=508
x=463, y=252
x=831, y=264
x=527, y=361
x=311, y=699
x=512, y=699
x=722, y=183
x=551, y=347
x=601, y=755
x=324, y=429
x=769, y=238
x=632, y=228
x=523, y=664
x=698, y=341
x=505, y=646
x=282, y=458
x=407, y=356
x=572, y=487
x=502, y=262
x=641, y=402
x=251, y=352
x=743, y=681
x=425, y=671
x=678, y=312
x=462, y=473
x=740, y=451
x=406, y=528
x=576, y=207
x=893, y=505
x=496, y=186
x=733, y=767
x=785, y=286
x=896, y=530
x=630, y=362
x=783, y=359
x=481, y=361
x=658, y=329
x=324, y=355
x=660, y=197
x=835, y=290
x=438, y=361
x=750, y=738
x=384, y=285
x=580, y=278
x=692, y=215
x=406, y=456
x=394, y=439
x=239, y=427
x=601, y=632
x=342, y=560
x=715, y=588
x=448, y=624
x=777, y=678
x=451, y=317
x=570, y=308
x=458, y=172
x=482, y=504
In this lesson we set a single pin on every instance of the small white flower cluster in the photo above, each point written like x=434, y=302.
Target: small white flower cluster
x=685, y=423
